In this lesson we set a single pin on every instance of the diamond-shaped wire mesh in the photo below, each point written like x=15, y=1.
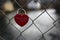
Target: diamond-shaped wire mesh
x=39, y=26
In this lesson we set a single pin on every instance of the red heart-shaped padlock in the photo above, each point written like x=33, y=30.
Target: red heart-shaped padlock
x=21, y=19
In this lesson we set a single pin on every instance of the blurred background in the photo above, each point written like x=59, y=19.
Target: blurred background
x=10, y=5
x=43, y=24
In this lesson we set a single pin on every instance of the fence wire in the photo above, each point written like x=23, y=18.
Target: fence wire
x=33, y=22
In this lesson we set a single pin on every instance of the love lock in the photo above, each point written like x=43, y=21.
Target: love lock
x=21, y=18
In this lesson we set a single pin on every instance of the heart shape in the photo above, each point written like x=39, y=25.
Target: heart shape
x=21, y=19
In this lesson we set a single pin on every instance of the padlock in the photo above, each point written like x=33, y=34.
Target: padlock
x=21, y=18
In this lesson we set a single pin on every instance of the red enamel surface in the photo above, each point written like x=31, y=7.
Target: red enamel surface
x=21, y=19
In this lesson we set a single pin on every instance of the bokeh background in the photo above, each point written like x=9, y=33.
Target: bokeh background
x=43, y=24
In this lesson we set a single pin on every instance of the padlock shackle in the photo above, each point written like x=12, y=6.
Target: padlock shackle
x=22, y=10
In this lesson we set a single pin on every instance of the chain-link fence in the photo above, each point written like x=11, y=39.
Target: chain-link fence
x=36, y=29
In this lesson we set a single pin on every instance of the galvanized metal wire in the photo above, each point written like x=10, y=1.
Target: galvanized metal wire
x=33, y=21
